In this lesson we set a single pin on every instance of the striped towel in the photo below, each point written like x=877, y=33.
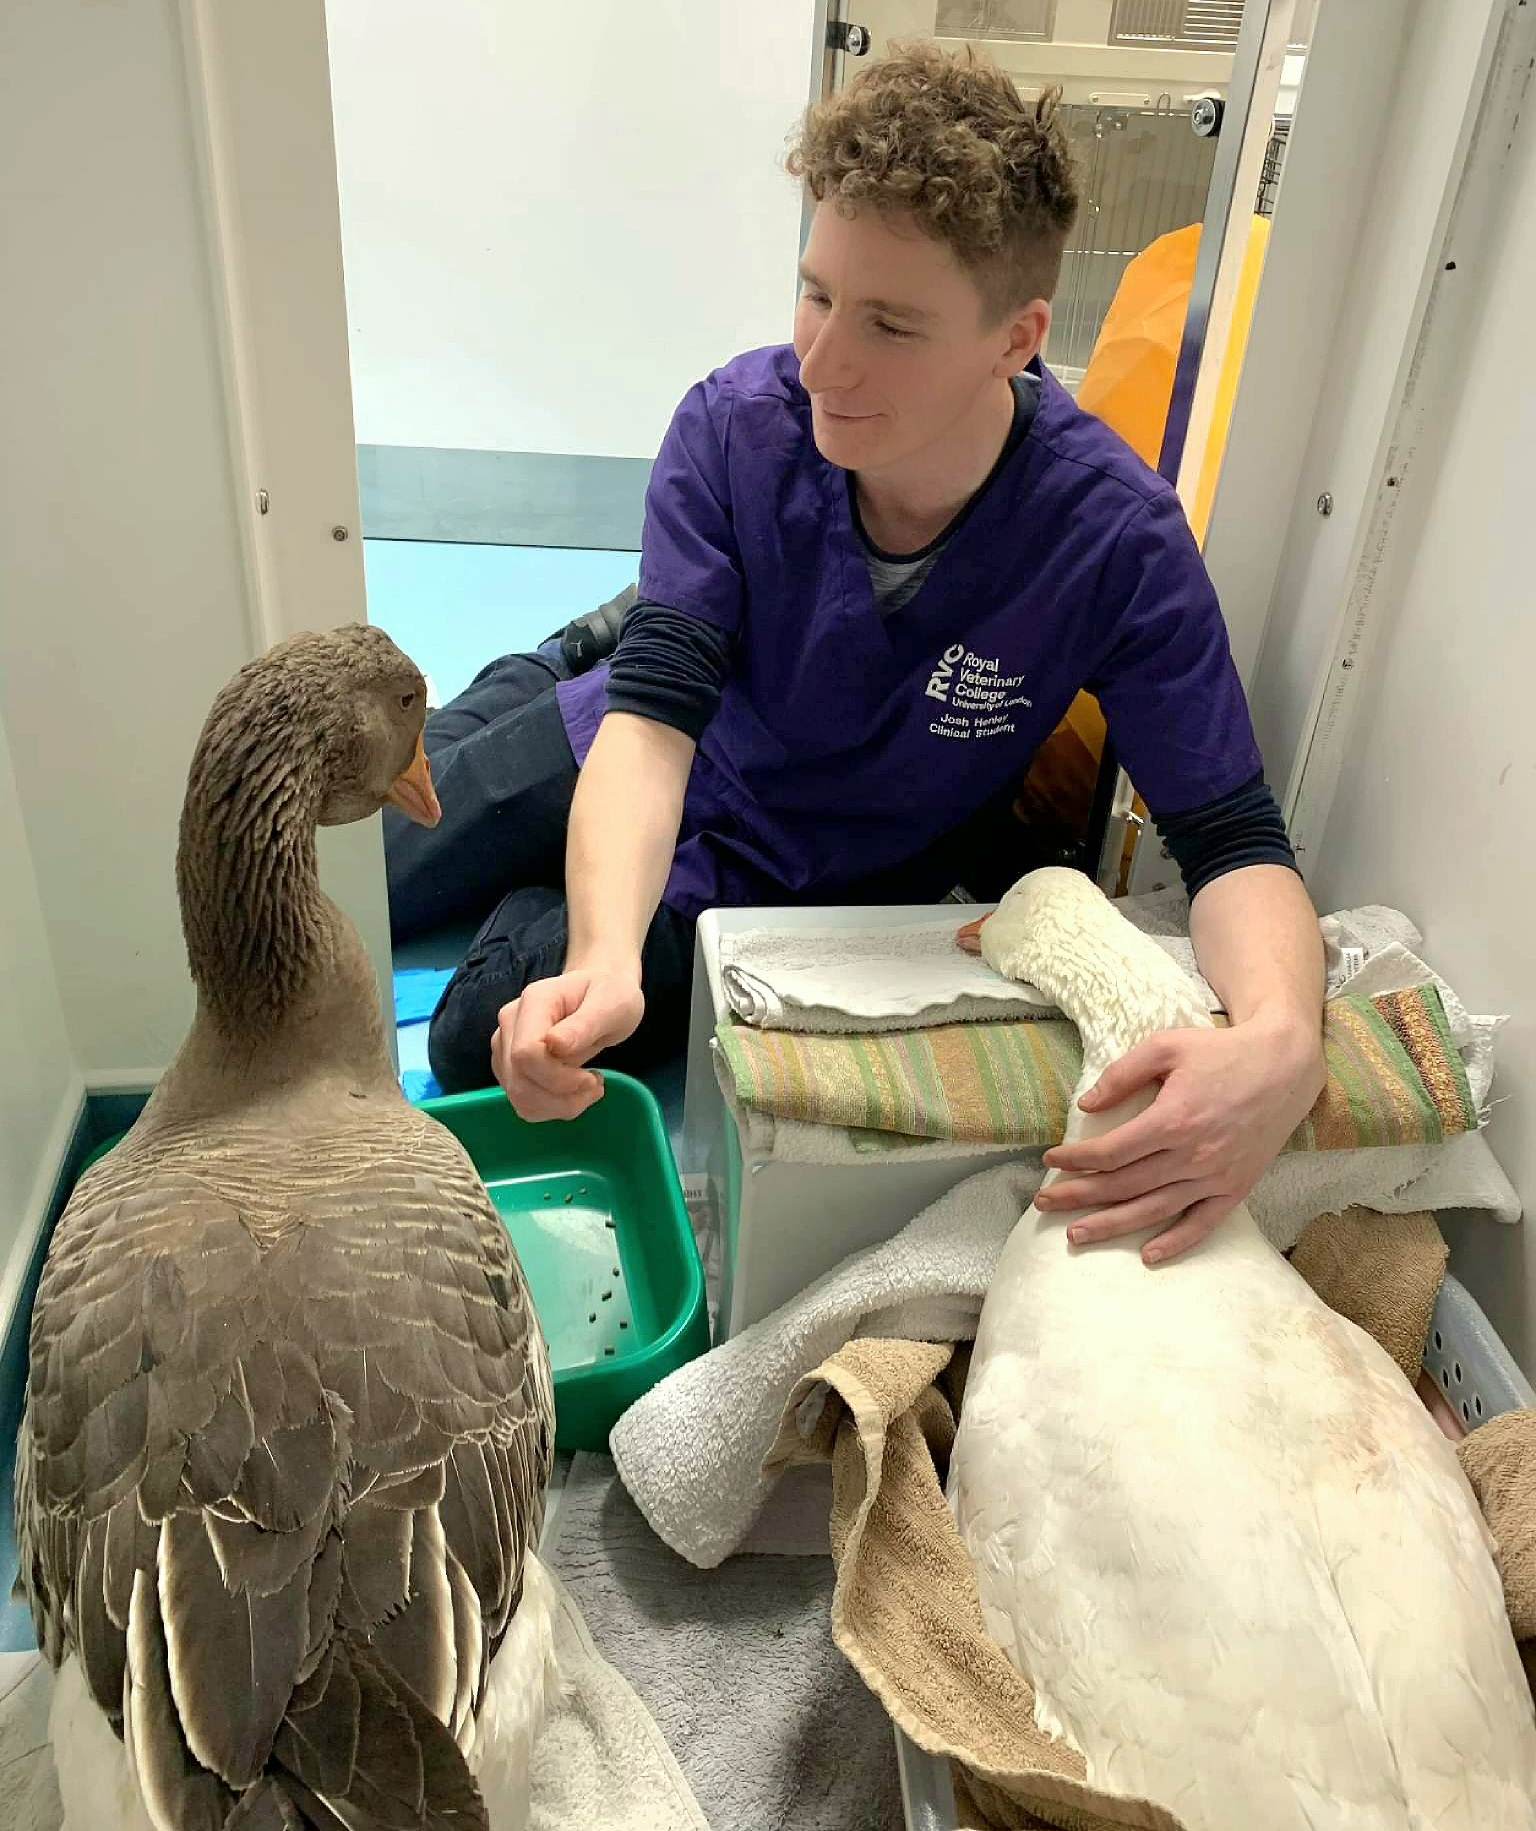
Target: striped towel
x=1394, y=1077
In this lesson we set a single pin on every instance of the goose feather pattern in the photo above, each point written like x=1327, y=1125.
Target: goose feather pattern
x=289, y=1416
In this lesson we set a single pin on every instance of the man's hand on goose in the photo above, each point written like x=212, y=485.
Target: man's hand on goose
x=544, y=1038
x=1227, y=1101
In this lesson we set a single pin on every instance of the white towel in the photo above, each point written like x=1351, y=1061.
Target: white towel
x=1367, y=928
x=691, y=1450
x=843, y=979
x=1393, y=1179
x=600, y=1763
x=846, y=979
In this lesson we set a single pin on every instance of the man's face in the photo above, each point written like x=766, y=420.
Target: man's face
x=895, y=341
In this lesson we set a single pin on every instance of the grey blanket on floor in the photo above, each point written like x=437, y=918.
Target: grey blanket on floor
x=768, y=1722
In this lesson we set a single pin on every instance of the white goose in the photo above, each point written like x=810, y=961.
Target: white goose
x=1211, y=1522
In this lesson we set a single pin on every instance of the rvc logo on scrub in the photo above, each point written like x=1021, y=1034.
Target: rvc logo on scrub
x=976, y=691
x=939, y=680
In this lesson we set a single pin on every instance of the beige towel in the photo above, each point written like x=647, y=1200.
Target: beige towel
x=905, y=1611
x=1500, y=1461
x=1381, y=1271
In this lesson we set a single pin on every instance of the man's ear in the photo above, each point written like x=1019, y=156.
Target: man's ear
x=1026, y=327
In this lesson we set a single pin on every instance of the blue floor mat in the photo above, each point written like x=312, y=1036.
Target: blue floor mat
x=16, y=1632
x=417, y=991
x=453, y=607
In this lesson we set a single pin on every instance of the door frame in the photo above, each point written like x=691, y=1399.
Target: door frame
x=1354, y=279
x=1403, y=348
x=1246, y=127
x=259, y=83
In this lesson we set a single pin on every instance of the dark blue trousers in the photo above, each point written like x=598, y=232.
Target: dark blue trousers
x=505, y=775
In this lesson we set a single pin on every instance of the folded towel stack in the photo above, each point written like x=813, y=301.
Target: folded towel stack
x=1395, y=1076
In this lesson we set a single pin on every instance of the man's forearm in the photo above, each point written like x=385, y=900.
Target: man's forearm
x=623, y=831
x=1256, y=937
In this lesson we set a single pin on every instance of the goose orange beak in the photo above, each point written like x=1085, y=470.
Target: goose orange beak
x=969, y=938
x=414, y=794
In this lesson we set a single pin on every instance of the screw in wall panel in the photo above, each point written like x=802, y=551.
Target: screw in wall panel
x=339, y=532
x=853, y=40
x=1325, y=504
x=1205, y=116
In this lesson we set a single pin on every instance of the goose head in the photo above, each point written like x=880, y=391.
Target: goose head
x=322, y=730
x=327, y=725
x=377, y=704
x=1057, y=931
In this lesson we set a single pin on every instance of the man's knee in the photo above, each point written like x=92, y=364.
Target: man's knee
x=523, y=941
x=459, y=1038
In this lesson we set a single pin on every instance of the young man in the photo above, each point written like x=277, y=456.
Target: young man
x=877, y=567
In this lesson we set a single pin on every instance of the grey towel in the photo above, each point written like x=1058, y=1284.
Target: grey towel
x=770, y=1725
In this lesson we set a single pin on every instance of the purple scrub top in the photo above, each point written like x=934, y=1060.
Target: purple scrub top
x=846, y=742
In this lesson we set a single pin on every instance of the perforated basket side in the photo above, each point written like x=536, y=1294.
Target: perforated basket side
x=1469, y=1363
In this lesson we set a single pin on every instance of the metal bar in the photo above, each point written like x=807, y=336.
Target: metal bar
x=1105, y=838
x=1218, y=205
x=824, y=74
x=1091, y=243
x=502, y=498
x=1107, y=843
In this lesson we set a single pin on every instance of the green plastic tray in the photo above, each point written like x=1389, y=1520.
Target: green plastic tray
x=596, y=1213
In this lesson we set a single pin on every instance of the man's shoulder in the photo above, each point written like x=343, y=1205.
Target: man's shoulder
x=1091, y=463
x=761, y=388
x=771, y=373
x=752, y=407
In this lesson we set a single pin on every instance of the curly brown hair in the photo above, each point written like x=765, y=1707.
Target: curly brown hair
x=947, y=139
